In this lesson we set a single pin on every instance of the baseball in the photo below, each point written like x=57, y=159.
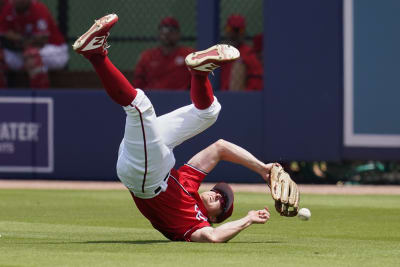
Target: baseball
x=304, y=214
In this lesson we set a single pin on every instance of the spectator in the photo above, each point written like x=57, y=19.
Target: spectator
x=163, y=67
x=31, y=40
x=3, y=81
x=246, y=73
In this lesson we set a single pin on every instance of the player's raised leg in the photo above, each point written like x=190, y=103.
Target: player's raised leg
x=205, y=109
x=93, y=45
x=200, y=64
x=143, y=160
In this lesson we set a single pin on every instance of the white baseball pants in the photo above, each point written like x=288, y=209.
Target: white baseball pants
x=145, y=154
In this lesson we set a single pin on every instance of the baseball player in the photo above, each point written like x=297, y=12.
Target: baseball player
x=166, y=196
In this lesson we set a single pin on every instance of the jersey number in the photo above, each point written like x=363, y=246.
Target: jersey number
x=199, y=215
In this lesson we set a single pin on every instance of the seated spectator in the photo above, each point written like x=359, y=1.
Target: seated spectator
x=163, y=67
x=31, y=40
x=246, y=73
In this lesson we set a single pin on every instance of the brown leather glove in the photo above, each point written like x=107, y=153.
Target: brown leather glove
x=284, y=191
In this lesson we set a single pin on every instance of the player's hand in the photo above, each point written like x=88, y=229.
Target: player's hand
x=259, y=216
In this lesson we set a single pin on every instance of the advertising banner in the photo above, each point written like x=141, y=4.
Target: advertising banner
x=26, y=134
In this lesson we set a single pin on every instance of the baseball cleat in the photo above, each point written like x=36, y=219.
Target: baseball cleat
x=212, y=58
x=94, y=41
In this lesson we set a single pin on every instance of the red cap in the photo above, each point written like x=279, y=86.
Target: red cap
x=236, y=21
x=169, y=22
x=226, y=201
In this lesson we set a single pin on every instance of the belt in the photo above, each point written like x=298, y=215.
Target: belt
x=159, y=188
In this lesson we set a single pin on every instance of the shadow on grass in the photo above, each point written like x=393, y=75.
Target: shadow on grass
x=147, y=242
x=135, y=242
x=257, y=242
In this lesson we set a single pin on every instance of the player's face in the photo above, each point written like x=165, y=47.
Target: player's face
x=169, y=36
x=234, y=36
x=212, y=203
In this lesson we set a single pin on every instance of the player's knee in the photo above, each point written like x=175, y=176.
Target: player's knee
x=214, y=110
x=211, y=113
x=218, y=107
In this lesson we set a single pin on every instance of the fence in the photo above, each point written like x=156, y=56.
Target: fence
x=138, y=26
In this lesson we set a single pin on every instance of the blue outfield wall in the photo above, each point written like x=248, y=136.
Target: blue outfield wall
x=88, y=128
x=303, y=84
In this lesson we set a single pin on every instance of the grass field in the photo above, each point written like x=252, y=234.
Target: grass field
x=104, y=228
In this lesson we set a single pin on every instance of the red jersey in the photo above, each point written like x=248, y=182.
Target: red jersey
x=155, y=70
x=3, y=3
x=254, y=70
x=37, y=20
x=179, y=211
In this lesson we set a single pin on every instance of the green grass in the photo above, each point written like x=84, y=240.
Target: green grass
x=104, y=228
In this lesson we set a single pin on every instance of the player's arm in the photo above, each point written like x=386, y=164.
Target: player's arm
x=209, y=157
x=227, y=231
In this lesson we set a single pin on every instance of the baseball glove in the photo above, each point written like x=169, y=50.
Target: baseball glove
x=284, y=191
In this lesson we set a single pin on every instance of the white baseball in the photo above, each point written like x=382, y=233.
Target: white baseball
x=304, y=214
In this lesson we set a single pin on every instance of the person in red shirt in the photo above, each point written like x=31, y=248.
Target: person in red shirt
x=246, y=73
x=32, y=40
x=3, y=67
x=166, y=196
x=163, y=67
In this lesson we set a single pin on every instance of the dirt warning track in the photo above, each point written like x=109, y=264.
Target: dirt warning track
x=305, y=189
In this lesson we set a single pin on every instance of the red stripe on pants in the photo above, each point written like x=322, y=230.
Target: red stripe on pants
x=144, y=147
